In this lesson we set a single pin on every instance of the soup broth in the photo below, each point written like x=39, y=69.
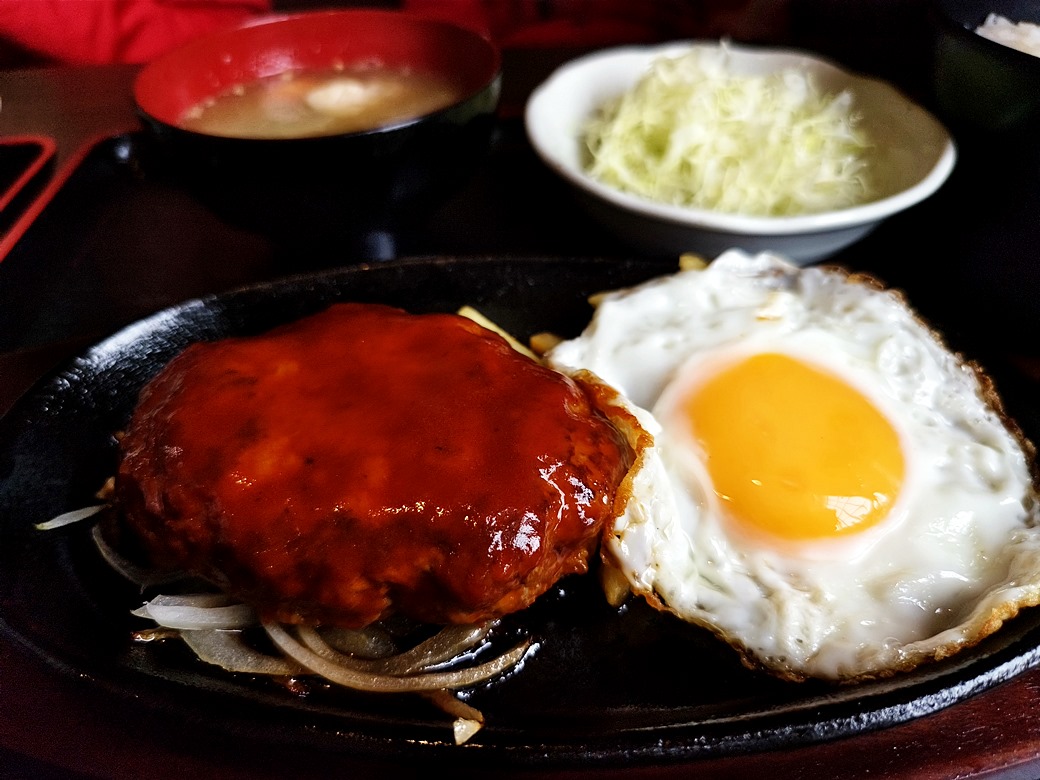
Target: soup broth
x=328, y=102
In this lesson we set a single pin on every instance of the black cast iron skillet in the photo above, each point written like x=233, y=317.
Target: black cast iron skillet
x=603, y=686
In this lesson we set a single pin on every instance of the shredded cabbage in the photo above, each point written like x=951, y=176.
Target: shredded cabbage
x=690, y=133
x=1024, y=36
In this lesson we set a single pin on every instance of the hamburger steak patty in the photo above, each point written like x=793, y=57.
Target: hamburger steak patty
x=365, y=461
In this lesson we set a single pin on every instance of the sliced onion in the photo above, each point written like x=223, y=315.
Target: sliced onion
x=448, y=643
x=464, y=728
x=364, y=659
x=615, y=585
x=452, y=705
x=207, y=599
x=365, y=681
x=197, y=611
x=155, y=634
x=368, y=642
x=229, y=650
x=107, y=491
x=468, y=720
x=139, y=575
x=68, y=518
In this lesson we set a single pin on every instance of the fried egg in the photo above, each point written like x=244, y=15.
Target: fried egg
x=828, y=487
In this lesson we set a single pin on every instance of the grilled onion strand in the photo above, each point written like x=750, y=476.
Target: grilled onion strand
x=366, y=681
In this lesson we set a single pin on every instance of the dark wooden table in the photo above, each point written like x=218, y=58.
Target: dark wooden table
x=52, y=726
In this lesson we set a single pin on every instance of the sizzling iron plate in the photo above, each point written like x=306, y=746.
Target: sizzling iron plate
x=602, y=687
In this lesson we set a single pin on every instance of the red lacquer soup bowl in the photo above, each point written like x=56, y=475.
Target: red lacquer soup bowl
x=318, y=74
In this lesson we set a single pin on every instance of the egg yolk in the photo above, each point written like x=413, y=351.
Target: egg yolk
x=794, y=451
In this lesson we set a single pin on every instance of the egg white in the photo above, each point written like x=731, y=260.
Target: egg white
x=957, y=555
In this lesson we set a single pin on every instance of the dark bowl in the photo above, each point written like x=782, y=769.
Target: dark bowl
x=984, y=89
x=344, y=183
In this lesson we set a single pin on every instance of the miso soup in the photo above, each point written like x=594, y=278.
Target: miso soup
x=327, y=102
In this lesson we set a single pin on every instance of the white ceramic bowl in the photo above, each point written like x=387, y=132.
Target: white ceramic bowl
x=913, y=156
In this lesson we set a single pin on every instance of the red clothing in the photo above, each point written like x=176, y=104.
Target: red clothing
x=100, y=31
x=531, y=23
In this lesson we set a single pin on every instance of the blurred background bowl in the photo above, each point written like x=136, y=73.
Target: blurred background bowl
x=912, y=157
x=984, y=89
x=347, y=183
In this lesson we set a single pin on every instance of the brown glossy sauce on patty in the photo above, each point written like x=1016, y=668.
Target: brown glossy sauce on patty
x=365, y=461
